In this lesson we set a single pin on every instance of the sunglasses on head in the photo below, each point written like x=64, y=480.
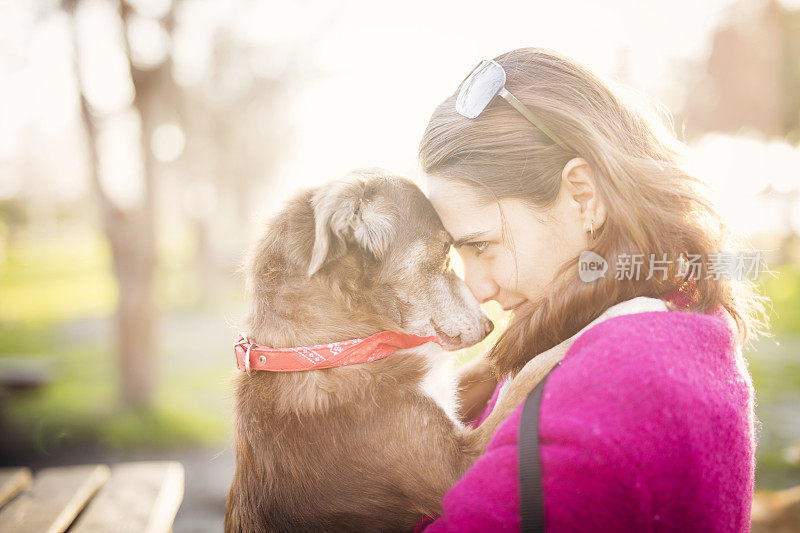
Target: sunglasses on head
x=487, y=80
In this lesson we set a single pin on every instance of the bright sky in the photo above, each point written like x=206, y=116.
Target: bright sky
x=384, y=69
x=391, y=67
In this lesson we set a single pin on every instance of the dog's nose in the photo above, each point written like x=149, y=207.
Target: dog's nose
x=488, y=325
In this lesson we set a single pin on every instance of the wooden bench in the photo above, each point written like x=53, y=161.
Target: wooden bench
x=91, y=498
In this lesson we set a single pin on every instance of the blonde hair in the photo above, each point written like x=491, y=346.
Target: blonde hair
x=653, y=202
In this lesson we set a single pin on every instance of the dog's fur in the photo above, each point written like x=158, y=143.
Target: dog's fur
x=367, y=447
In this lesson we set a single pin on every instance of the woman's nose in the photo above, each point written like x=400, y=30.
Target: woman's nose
x=479, y=283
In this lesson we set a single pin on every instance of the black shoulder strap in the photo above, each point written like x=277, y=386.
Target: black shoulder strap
x=531, y=502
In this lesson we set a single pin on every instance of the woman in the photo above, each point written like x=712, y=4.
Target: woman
x=647, y=422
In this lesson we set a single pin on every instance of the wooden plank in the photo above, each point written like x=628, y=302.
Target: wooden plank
x=12, y=482
x=56, y=498
x=139, y=497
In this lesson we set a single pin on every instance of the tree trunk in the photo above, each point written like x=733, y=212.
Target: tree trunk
x=131, y=236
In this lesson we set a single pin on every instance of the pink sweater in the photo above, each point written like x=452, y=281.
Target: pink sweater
x=647, y=425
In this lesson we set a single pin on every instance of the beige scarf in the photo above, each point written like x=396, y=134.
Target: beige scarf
x=539, y=366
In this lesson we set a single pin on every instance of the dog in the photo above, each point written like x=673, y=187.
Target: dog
x=363, y=447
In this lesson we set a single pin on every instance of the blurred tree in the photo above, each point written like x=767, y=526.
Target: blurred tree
x=751, y=78
x=236, y=134
x=235, y=131
x=13, y=218
x=131, y=231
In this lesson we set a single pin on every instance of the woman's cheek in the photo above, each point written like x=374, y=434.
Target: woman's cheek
x=504, y=271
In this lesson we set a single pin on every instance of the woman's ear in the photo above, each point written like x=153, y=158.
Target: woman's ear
x=579, y=180
x=350, y=211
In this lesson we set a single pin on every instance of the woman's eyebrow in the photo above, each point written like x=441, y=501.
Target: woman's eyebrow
x=468, y=237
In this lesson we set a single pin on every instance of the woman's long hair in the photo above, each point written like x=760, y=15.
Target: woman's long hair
x=654, y=204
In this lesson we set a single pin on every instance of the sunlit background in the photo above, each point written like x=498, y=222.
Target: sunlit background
x=142, y=143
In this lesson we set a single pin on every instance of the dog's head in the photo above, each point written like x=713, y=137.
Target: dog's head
x=386, y=223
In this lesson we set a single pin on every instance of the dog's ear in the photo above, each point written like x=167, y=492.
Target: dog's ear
x=350, y=211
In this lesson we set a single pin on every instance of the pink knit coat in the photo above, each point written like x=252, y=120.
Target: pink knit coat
x=647, y=425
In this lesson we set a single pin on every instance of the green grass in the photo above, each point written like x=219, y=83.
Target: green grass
x=46, y=289
x=81, y=406
x=44, y=283
x=784, y=293
x=775, y=370
x=775, y=366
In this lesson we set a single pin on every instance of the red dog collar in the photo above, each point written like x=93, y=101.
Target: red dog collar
x=251, y=356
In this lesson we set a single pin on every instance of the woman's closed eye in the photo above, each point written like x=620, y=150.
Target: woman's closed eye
x=479, y=246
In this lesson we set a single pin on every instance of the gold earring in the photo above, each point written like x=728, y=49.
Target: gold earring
x=591, y=229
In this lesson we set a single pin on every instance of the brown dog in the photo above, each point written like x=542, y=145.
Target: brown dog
x=371, y=446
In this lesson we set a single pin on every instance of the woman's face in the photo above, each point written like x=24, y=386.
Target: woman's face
x=540, y=241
